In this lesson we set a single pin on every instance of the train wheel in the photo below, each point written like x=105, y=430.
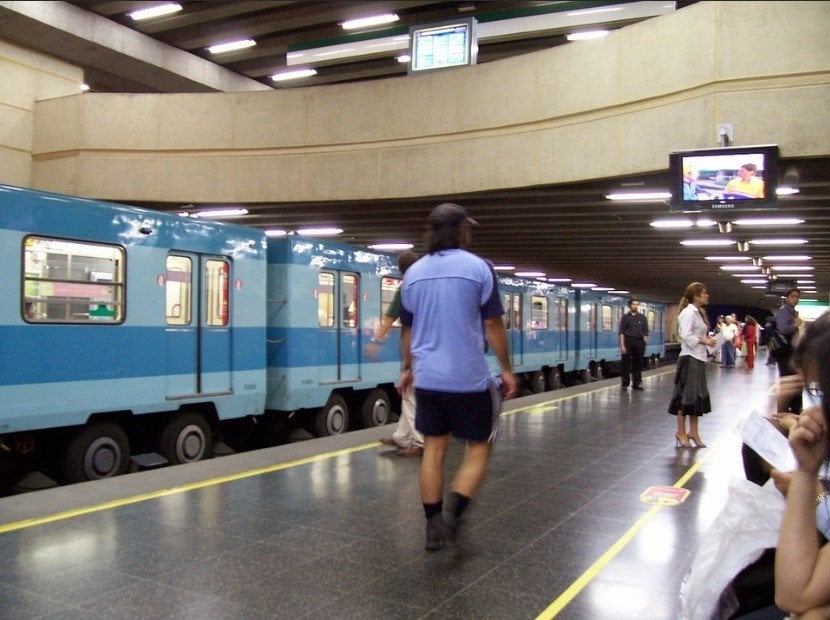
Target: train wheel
x=555, y=379
x=537, y=382
x=333, y=417
x=186, y=438
x=376, y=408
x=100, y=450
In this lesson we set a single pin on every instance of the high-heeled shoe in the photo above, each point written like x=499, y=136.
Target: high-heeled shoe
x=681, y=443
x=697, y=441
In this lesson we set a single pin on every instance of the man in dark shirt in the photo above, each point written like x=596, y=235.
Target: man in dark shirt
x=787, y=323
x=633, y=339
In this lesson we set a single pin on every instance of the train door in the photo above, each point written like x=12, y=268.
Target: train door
x=198, y=331
x=513, y=323
x=338, y=297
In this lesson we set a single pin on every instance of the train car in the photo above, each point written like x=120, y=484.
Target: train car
x=124, y=331
x=597, y=331
x=537, y=318
x=324, y=301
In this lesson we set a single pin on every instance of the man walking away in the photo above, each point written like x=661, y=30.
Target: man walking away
x=447, y=296
x=787, y=323
x=633, y=339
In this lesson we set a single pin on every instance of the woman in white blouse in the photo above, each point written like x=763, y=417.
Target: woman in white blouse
x=691, y=395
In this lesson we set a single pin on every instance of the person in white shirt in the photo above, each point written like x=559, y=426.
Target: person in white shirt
x=691, y=395
x=728, y=348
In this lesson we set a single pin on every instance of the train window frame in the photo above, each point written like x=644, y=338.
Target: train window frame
x=109, y=310
x=607, y=318
x=387, y=295
x=325, y=299
x=217, y=291
x=652, y=315
x=350, y=318
x=184, y=302
x=539, y=318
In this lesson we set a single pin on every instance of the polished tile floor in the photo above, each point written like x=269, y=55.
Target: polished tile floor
x=333, y=528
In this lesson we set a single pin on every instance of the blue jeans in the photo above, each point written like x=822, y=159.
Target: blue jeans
x=727, y=357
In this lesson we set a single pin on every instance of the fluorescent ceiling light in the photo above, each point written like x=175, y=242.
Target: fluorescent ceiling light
x=392, y=246
x=84, y=86
x=293, y=75
x=793, y=268
x=530, y=274
x=404, y=58
x=559, y=280
x=155, y=11
x=760, y=288
x=504, y=267
x=786, y=191
x=788, y=257
x=610, y=9
x=583, y=284
x=641, y=196
x=672, y=223
x=602, y=288
x=753, y=281
x=705, y=223
x=616, y=292
x=587, y=35
x=276, y=232
x=806, y=281
x=231, y=46
x=320, y=231
x=372, y=20
x=727, y=258
x=226, y=212
x=739, y=268
x=810, y=300
x=768, y=221
x=778, y=241
x=798, y=275
x=706, y=242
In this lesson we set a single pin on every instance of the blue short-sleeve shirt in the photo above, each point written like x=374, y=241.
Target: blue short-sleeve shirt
x=445, y=297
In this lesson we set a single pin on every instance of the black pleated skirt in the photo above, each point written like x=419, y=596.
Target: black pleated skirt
x=691, y=395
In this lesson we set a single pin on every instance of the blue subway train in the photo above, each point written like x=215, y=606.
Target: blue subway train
x=131, y=332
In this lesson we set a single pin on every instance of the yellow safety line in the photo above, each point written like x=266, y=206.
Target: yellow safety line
x=68, y=514
x=585, y=578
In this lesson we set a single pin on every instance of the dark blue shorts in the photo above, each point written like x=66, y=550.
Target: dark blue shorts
x=466, y=415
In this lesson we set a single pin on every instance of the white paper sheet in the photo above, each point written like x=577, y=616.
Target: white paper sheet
x=760, y=435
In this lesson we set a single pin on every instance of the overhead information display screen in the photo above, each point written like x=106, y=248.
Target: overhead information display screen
x=438, y=46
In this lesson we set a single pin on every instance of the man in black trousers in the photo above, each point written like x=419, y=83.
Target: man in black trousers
x=633, y=339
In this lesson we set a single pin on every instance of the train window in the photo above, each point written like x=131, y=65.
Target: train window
x=72, y=281
x=388, y=288
x=216, y=292
x=508, y=307
x=562, y=314
x=607, y=318
x=651, y=316
x=517, y=312
x=349, y=296
x=538, y=312
x=178, y=282
x=325, y=299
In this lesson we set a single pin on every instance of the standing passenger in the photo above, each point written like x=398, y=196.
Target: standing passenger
x=633, y=339
x=446, y=296
x=751, y=339
x=787, y=323
x=691, y=395
x=407, y=440
x=729, y=331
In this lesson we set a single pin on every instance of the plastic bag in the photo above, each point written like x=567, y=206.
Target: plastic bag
x=748, y=523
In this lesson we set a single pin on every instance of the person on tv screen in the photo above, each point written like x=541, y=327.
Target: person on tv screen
x=746, y=184
x=690, y=176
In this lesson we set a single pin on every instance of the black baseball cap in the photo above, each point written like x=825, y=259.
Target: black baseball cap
x=448, y=214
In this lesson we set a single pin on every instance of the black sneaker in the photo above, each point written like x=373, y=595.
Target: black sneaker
x=435, y=533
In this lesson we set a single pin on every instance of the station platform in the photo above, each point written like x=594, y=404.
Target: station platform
x=334, y=528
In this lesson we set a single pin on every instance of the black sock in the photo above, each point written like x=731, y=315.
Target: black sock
x=458, y=503
x=430, y=510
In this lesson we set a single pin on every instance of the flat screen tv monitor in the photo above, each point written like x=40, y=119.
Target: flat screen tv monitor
x=442, y=45
x=738, y=177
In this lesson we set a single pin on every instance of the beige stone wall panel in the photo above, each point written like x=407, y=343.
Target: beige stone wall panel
x=16, y=129
x=421, y=106
x=57, y=175
x=259, y=179
x=270, y=119
x=579, y=151
x=344, y=114
x=501, y=161
x=413, y=170
x=15, y=168
x=195, y=121
x=498, y=94
x=348, y=175
x=119, y=179
x=190, y=179
x=119, y=121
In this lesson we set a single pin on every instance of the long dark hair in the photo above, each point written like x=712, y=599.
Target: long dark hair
x=692, y=291
x=443, y=238
x=814, y=350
